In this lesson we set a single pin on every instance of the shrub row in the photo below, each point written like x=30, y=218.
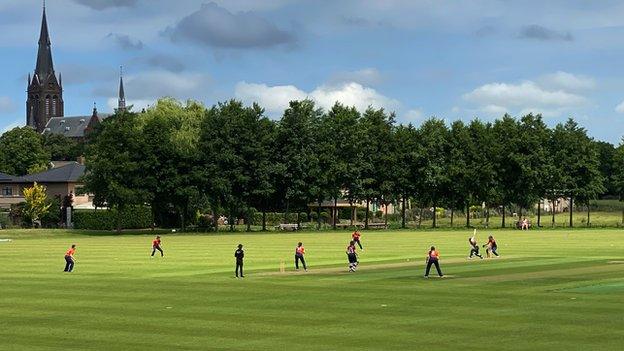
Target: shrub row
x=136, y=217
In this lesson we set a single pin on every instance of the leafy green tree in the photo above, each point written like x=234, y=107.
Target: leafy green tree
x=170, y=131
x=575, y=155
x=36, y=204
x=433, y=180
x=115, y=160
x=408, y=158
x=339, y=140
x=378, y=161
x=459, y=191
x=296, y=157
x=618, y=173
x=62, y=148
x=606, y=154
x=22, y=149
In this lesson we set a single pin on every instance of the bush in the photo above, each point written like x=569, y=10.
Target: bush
x=136, y=217
x=4, y=220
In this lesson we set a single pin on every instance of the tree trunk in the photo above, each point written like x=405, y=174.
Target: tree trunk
x=434, y=216
x=467, y=215
x=553, y=213
x=386, y=216
x=318, y=214
x=487, y=217
x=247, y=221
x=539, y=213
x=366, y=216
x=403, y=212
x=215, y=219
x=503, y=219
x=588, y=225
x=335, y=212
x=352, y=213
x=452, y=214
x=286, y=213
x=119, y=210
x=571, y=206
x=420, y=218
x=623, y=217
x=264, y=219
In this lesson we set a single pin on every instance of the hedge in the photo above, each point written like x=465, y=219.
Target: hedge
x=138, y=217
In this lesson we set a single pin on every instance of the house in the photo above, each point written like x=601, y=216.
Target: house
x=59, y=182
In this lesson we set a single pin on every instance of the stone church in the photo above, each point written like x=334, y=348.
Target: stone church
x=45, y=107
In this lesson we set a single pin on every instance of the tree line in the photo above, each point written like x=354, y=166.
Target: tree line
x=183, y=158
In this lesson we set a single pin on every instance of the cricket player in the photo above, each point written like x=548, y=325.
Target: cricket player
x=299, y=253
x=352, y=256
x=433, y=257
x=474, y=248
x=356, y=238
x=69, y=259
x=239, y=254
x=491, y=246
x=156, y=246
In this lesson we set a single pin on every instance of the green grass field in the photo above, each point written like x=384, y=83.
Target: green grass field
x=550, y=290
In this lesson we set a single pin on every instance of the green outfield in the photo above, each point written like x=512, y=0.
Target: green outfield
x=554, y=290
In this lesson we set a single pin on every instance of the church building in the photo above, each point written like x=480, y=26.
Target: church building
x=45, y=107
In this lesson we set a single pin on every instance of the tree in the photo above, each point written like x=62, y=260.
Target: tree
x=459, y=191
x=22, y=149
x=116, y=172
x=606, y=155
x=575, y=155
x=408, y=157
x=296, y=159
x=618, y=173
x=36, y=205
x=62, y=148
x=378, y=159
x=433, y=180
x=507, y=163
x=170, y=131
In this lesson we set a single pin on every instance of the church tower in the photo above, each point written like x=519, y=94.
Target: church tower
x=45, y=91
x=121, y=101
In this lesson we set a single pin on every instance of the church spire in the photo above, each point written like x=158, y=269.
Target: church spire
x=121, y=102
x=44, y=55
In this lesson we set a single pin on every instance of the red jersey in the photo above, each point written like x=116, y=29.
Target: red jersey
x=434, y=255
x=156, y=242
x=300, y=250
x=356, y=236
x=70, y=252
x=351, y=249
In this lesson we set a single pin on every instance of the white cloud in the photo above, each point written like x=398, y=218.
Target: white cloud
x=14, y=124
x=620, y=108
x=137, y=105
x=276, y=98
x=6, y=104
x=550, y=99
x=567, y=81
x=366, y=77
x=152, y=85
x=413, y=115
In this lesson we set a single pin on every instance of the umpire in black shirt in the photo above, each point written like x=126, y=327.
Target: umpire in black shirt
x=239, y=254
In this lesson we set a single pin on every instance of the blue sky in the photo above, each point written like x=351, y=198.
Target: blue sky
x=450, y=59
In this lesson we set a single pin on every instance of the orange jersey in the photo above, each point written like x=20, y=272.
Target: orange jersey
x=300, y=250
x=356, y=236
x=70, y=252
x=434, y=254
x=156, y=242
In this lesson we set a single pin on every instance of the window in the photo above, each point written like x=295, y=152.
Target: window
x=7, y=191
x=47, y=105
x=54, y=104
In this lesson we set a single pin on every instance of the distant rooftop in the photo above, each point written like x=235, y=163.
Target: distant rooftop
x=71, y=127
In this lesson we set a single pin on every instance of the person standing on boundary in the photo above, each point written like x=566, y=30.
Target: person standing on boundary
x=156, y=246
x=356, y=238
x=299, y=253
x=491, y=246
x=474, y=248
x=432, y=259
x=69, y=259
x=352, y=256
x=239, y=254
